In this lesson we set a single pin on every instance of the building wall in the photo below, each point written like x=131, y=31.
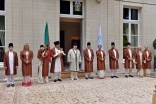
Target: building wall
x=25, y=23
x=110, y=14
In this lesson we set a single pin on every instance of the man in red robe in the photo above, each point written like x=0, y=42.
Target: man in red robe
x=139, y=61
x=147, y=57
x=129, y=63
x=88, y=61
x=113, y=60
x=10, y=65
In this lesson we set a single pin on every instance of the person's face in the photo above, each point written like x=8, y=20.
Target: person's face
x=128, y=46
x=99, y=47
x=75, y=47
x=146, y=48
x=138, y=48
x=113, y=46
x=89, y=46
x=42, y=48
x=58, y=46
x=11, y=48
x=26, y=47
x=45, y=47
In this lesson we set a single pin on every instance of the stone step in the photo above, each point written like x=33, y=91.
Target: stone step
x=66, y=74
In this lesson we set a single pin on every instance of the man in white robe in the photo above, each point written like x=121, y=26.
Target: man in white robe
x=74, y=59
x=57, y=65
x=39, y=56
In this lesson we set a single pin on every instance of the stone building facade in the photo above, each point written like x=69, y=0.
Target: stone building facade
x=121, y=21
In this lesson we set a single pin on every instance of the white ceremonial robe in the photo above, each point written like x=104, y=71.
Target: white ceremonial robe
x=11, y=62
x=130, y=53
x=140, y=73
x=40, y=79
x=57, y=62
x=74, y=57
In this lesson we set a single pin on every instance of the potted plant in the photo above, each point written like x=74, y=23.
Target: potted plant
x=154, y=46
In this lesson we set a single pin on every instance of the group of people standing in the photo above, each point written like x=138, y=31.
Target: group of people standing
x=142, y=59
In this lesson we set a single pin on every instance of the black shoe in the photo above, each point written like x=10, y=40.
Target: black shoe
x=130, y=75
x=112, y=76
x=116, y=76
x=91, y=77
x=86, y=78
x=59, y=80
x=49, y=77
x=126, y=76
x=8, y=85
x=12, y=85
x=55, y=80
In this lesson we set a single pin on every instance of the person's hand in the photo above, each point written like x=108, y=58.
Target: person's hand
x=16, y=67
x=69, y=63
x=90, y=60
x=5, y=68
x=59, y=55
x=27, y=62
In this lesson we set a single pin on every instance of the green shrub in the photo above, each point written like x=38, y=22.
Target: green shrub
x=154, y=44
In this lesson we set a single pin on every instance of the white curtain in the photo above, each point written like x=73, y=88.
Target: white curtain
x=2, y=37
x=2, y=30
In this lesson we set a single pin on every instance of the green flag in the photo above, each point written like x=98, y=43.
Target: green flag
x=46, y=39
x=46, y=35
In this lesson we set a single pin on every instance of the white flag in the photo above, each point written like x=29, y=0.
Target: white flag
x=100, y=39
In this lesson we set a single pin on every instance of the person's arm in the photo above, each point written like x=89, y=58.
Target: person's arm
x=16, y=60
x=79, y=57
x=150, y=56
x=92, y=55
x=30, y=60
x=104, y=55
x=46, y=55
x=136, y=57
x=85, y=56
x=110, y=54
x=126, y=56
x=69, y=57
x=5, y=62
x=23, y=60
x=98, y=56
x=117, y=52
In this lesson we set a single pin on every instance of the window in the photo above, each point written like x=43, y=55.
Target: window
x=2, y=6
x=67, y=8
x=130, y=27
x=2, y=29
x=64, y=7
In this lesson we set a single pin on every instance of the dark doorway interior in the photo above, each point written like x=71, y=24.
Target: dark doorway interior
x=62, y=42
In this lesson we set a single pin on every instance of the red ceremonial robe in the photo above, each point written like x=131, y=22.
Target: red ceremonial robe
x=88, y=65
x=6, y=63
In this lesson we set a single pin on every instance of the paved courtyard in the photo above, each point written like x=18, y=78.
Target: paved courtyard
x=97, y=91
